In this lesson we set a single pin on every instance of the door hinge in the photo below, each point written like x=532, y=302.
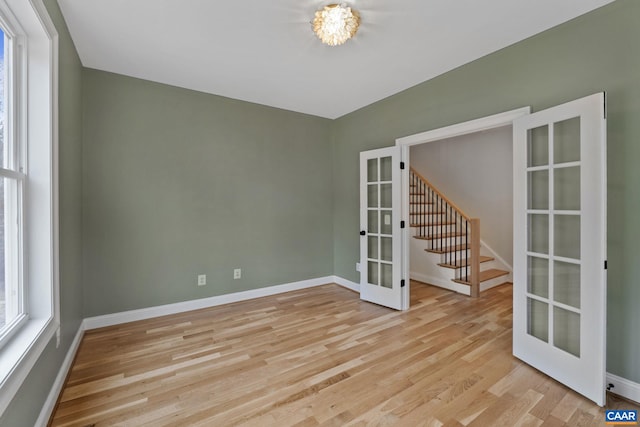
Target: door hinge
x=401, y=224
x=402, y=283
x=401, y=165
x=605, y=264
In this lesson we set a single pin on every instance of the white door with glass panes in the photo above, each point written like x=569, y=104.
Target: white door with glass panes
x=559, y=294
x=381, y=276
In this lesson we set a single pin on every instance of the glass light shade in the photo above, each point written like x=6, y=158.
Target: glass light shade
x=335, y=24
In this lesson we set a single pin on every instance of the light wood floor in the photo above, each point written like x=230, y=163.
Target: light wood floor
x=319, y=357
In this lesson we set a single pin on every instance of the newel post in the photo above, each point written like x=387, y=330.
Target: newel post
x=475, y=257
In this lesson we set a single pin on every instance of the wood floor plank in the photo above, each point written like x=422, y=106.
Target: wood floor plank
x=319, y=357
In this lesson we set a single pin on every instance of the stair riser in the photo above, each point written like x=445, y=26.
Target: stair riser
x=428, y=212
x=488, y=284
x=425, y=208
x=416, y=198
x=438, y=243
x=435, y=229
x=464, y=254
x=425, y=219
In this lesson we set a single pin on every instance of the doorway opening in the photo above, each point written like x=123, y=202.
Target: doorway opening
x=472, y=164
x=475, y=172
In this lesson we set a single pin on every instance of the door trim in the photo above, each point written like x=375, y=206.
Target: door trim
x=471, y=126
x=477, y=125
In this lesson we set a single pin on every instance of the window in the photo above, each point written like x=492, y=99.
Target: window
x=29, y=308
x=12, y=310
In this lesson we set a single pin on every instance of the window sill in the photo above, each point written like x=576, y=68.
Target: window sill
x=18, y=356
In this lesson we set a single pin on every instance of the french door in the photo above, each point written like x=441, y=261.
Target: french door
x=559, y=295
x=381, y=276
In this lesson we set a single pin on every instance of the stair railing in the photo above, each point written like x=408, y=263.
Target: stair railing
x=446, y=228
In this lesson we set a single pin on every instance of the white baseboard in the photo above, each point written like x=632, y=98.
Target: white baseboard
x=346, y=283
x=441, y=283
x=56, y=388
x=623, y=387
x=180, y=307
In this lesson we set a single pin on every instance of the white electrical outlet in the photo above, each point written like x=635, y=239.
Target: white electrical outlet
x=202, y=279
x=357, y=266
x=237, y=273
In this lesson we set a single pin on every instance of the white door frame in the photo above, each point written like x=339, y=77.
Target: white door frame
x=464, y=128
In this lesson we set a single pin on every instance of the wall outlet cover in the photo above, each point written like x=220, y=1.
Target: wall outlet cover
x=202, y=279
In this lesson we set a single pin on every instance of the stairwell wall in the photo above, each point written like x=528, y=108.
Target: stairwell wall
x=475, y=171
x=595, y=52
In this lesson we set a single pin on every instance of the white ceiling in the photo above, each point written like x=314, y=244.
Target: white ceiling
x=265, y=52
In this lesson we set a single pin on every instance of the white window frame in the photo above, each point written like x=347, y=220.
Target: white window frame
x=14, y=62
x=36, y=122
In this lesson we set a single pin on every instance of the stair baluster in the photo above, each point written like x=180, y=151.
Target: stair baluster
x=447, y=228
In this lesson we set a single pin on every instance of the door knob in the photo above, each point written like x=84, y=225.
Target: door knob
x=362, y=233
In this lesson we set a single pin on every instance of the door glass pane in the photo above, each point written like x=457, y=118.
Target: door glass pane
x=538, y=197
x=387, y=275
x=566, y=141
x=385, y=169
x=372, y=273
x=372, y=195
x=566, y=283
x=538, y=233
x=386, y=249
x=385, y=195
x=372, y=170
x=372, y=221
x=372, y=250
x=538, y=276
x=567, y=236
x=566, y=330
x=538, y=146
x=538, y=319
x=385, y=226
x=566, y=188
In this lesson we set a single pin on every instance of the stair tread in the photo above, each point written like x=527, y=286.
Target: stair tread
x=464, y=262
x=440, y=236
x=485, y=275
x=434, y=224
x=448, y=249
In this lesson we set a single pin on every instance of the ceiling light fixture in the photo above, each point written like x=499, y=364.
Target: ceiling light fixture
x=336, y=23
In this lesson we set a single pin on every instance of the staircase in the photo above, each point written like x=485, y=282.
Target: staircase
x=453, y=256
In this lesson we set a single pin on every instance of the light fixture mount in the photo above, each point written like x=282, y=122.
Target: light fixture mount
x=334, y=24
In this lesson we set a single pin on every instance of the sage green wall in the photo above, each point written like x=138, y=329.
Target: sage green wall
x=178, y=183
x=26, y=406
x=596, y=52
